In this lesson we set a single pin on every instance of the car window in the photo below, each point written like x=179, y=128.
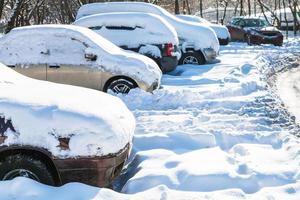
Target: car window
x=122, y=28
x=95, y=28
x=235, y=21
x=254, y=23
x=264, y=23
x=23, y=48
x=241, y=23
x=65, y=49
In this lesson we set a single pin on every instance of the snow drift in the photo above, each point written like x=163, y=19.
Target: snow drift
x=97, y=123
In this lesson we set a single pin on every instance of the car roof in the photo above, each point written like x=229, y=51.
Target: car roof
x=152, y=24
x=200, y=35
x=95, y=8
x=87, y=34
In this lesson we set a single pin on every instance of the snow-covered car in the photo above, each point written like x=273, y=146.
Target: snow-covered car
x=198, y=43
x=78, y=56
x=55, y=133
x=221, y=31
x=254, y=30
x=144, y=33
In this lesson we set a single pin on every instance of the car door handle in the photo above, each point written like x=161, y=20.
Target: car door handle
x=54, y=66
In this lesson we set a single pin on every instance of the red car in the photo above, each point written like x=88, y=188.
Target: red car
x=254, y=31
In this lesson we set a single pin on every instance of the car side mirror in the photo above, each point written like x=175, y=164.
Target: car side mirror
x=90, y=56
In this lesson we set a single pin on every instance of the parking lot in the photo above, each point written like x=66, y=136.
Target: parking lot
x=128, y=100
x=211, y=131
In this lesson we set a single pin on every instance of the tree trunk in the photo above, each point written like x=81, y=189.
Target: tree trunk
x=224, y=13
x=241, y=7
x=188, y=6
x=201, y=8
x=13, y=18
x=286, y=20
x=1, y=7
x=293, y=8
x=177, y=7
x=217, y=14
x=249, y=7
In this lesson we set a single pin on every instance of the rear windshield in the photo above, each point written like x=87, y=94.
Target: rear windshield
x=127, y=28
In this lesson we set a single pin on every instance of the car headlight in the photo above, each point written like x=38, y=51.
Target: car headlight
x=254, y=33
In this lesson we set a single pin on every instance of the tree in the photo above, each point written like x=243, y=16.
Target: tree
x=177, y=7
x=15, y=14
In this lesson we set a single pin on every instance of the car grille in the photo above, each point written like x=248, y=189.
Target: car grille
x=270, y=33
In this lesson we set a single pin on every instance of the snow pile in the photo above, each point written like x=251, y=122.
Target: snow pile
x=214, y=129
x=41, y=112
x=26, y=189
x=131, y=29
x=152, y=50
x=196, y=35
x=67, y=45
x=221, y=31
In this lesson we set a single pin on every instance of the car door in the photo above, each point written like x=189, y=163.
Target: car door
x=26, y=54
x=68, y=63
x=36, y=70
x=236, y=30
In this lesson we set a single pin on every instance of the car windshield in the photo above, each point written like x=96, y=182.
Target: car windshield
x=254, y=23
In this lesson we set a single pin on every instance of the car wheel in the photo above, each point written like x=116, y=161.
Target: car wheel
x=122, y=86
x=20, y=165
x=278, y=44
x=194, y=58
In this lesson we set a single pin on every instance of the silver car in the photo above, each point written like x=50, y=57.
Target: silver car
x=77, y=56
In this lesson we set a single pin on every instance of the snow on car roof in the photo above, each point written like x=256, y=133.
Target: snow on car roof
x=97, y=123
x=112, y=58
x=193, y=18
x=221, y=31
x=196, y=34
x=146, y=28
x=95, y=38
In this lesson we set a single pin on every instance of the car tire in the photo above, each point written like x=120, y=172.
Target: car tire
x=248, y=40
x=20, y=165
x=223, y=42
x=194, y=58
x=121, y=85
x=278, y=44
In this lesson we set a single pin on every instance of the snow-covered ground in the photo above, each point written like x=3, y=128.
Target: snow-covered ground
x=213, y=132
x=288, y=85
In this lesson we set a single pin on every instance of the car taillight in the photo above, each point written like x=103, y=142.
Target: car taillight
x=169, y=48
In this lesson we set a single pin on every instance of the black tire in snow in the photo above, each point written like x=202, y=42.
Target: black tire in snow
x=121, y=85
x=18, y=165
x=192, y=57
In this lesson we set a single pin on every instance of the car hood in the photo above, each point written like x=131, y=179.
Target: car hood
x=42, y=112
x=133, y=65
x=263, y=29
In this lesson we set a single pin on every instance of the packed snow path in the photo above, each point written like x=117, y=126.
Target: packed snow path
x=212, y=132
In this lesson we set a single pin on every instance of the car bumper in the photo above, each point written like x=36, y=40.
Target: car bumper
x=210, y=55
x=168, y=63
x=276, y=40
x=224, y=41
x=99, y=171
